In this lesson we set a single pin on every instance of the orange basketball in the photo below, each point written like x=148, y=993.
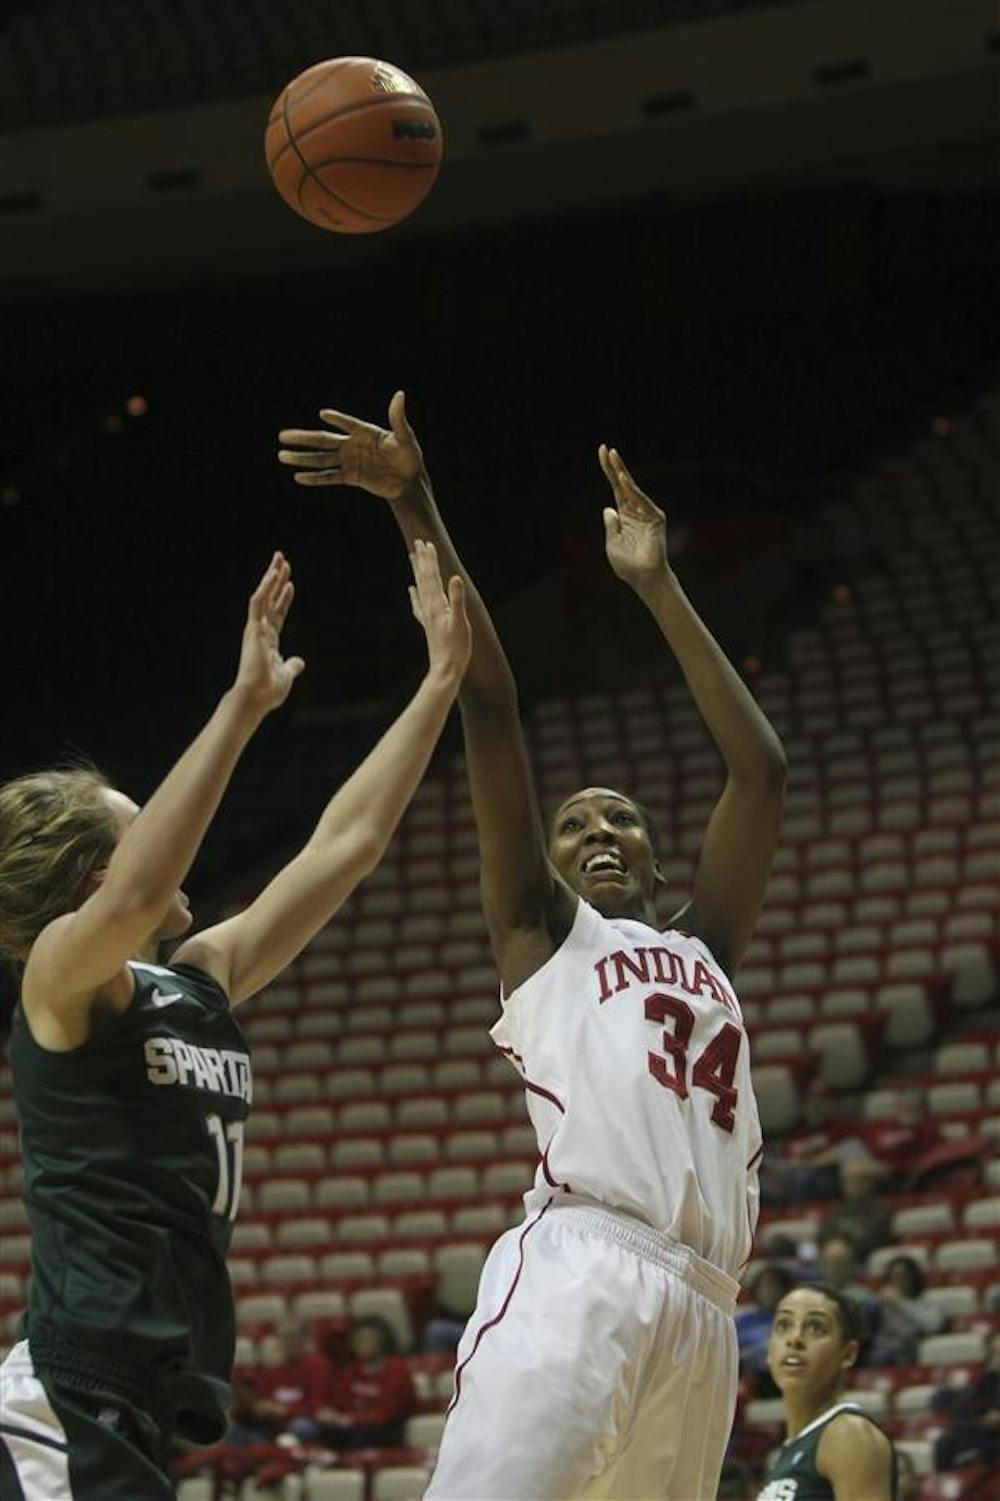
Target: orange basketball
x=353, y=145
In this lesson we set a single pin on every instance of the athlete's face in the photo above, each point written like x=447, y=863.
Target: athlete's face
x=177, y=918
x=807, y=1350
x=601, y=847
x=366, y=1342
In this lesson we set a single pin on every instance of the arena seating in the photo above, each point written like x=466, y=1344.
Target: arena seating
x=389, y=1142
x=62, y=61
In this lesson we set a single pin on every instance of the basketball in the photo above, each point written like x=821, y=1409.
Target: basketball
x=353, y=145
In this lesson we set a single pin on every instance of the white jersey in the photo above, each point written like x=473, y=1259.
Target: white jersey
x=636, y=1069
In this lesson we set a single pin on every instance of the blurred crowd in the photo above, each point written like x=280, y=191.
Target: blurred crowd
x=850, y=1167
x=353, y=1392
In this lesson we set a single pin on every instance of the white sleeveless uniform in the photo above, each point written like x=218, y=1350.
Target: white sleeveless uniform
x=601, y=1359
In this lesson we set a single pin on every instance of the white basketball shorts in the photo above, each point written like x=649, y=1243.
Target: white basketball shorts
x=70, y=1445
x=600, y=1363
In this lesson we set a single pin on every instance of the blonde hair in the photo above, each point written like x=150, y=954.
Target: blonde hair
x=56, y=831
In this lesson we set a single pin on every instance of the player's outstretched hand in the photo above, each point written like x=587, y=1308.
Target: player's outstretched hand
x=442, y=614
x=383, y=461
x=635, y=529
x=263, y=674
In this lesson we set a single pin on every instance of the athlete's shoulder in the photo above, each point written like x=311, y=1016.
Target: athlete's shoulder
x=171, y=982
x=852, y=1448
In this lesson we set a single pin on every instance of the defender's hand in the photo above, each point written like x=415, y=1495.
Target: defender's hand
x=383, y=461
x=264, y=675
x=635, y=529
x=442, y=615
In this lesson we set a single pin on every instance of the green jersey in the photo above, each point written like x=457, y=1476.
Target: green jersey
x=132, y=1147
x=794, y=1476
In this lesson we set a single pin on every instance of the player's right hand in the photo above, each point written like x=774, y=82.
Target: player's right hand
x=383, y=461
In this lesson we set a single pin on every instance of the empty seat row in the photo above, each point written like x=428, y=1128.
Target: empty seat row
x=278, y=1190
x=411, y=1109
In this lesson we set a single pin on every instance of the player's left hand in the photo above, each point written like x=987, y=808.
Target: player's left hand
x=264, y=675
x=635, y=529
x=383, y=461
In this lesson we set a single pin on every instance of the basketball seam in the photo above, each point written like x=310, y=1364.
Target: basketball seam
x=306, y=94
x=323, y=78
x=363, y=212
x=376, y=161
x=308, y=172
x=351, y=109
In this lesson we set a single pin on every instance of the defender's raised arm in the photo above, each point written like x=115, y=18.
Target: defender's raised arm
x=248, y=950
x=82, y=950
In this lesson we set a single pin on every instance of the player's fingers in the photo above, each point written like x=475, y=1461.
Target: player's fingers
x=456, y=594
x=320, y=477
x=275, y=589
x=300, y=437
x=429, y=563
x=621, y=469
x=258, y=598
x=630, y=489
x=612, y=522
x=283, y=603
x=414, y=603
x=295, y=665
x=345, y=421
x=297, y=458
x=429, y=575
x=603, y=458
x=398, y=420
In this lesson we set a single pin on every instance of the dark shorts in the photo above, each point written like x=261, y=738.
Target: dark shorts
x=60, y=1443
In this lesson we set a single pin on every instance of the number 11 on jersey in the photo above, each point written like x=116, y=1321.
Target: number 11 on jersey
x=228, y=1138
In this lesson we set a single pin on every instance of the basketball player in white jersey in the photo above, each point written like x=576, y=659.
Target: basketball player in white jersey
x=601, y=1358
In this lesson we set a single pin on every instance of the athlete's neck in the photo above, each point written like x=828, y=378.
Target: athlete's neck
x=802, y=1410
x=637, y=910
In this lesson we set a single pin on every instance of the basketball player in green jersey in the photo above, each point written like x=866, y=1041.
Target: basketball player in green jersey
x=834, y=1451
x=132, y=1080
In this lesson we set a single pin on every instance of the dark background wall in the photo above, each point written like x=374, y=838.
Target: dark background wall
x=740, y=340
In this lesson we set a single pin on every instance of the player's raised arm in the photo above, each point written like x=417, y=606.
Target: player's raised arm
x=248, y=950
x=81, y=951
x=527, y=910
x=742, y=833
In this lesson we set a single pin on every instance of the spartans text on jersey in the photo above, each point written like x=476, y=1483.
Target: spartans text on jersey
x=780, y=1490
x=220, y=1070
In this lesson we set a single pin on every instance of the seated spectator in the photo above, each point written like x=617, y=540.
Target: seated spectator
x=863, y=1217
x=373, y=1396
x=838, y=1265
x=805, y=1164
x=899, y=1145
x=442, y=1334
x=902, y=1314
x=798, y=1258
x=753, y=1322
x=288, y=1395
x=246, y=1424
x=974, y=1413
